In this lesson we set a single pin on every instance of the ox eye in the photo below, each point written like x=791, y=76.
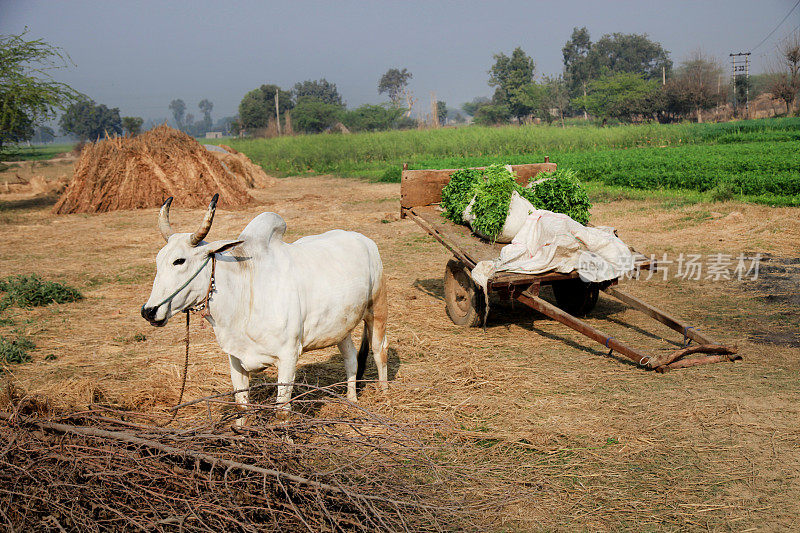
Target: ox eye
x=179, y=261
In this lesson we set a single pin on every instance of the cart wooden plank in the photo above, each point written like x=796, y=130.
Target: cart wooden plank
x=473, y=247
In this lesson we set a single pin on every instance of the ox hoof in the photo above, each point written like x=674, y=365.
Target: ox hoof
x=242, y=421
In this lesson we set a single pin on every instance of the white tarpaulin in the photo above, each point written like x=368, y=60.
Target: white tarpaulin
x=551, y=241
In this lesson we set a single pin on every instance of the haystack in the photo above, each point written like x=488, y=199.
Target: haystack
x=139, y=172
x=240, y=165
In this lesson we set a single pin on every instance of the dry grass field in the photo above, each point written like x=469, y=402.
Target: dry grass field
x=582, y=440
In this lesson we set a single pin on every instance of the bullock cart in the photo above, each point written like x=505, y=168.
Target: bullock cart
x=421, y=192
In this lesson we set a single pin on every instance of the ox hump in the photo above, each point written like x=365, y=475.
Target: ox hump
x=263, y=230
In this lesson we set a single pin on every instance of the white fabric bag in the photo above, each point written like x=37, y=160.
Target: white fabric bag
x=551, y=241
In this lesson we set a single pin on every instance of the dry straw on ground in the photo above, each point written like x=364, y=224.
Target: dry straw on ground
x=353, y=471
x=139, y=172
x=584, y=442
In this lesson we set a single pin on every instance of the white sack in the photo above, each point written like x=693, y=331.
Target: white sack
x=518, y=211
x=551, y=241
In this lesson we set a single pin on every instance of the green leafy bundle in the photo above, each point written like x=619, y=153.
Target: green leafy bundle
x=492, y=200
x=560, y=192
x=31, y=291
x=457, y=194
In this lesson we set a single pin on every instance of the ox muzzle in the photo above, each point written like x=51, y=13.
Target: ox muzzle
x=149, y=314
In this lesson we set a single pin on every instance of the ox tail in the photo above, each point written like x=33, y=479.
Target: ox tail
x=363, y=352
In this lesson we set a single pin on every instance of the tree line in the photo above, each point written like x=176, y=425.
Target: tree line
x=622, y=77
x=316, y=105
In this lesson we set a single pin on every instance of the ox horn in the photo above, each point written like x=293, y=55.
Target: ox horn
x=163, y=220
x=201, y=233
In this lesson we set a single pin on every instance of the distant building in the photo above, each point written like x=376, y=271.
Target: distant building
x=213, y=135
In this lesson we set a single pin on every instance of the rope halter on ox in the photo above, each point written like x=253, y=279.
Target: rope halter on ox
x=188, y=281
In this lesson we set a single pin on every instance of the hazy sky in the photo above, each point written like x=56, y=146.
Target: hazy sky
x=140, y=55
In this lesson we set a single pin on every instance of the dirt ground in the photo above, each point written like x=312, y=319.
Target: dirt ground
x=587, y=441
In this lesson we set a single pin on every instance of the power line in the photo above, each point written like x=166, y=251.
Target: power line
x=776, y=27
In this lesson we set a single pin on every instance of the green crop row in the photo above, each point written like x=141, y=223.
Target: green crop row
x=371, y=154
x=749, y=168
x=766, y=172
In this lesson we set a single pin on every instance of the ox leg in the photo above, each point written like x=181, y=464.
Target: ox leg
x=350, y=355
x=376, y=323
x=287, y=366
x=241, y=380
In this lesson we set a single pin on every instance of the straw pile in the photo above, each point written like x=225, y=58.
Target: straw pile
x=140, y=172
x=240, y=165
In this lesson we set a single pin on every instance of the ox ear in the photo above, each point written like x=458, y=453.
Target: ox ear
x=217, y=247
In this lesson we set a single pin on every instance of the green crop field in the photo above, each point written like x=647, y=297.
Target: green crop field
x=754, y=160
x=39, y=152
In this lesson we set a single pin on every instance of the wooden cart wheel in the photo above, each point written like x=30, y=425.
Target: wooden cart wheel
x=463, y=299
x=576, y=297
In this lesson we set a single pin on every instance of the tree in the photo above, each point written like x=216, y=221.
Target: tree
x=372, y=117
x=455, y=116
x=470, y=108
x=395, y=84
x=535, y=97
x=178, y=108
x=621, y=96
x=578, y=70
x=17, y=126
x=441, y=110
x=695, y=87
x=629, y=52
x=787, y=84
x=509, y=75
x=559, y=94
x=89, y=121
x=612, y=54
x=314, y=116
x=205, y=107
x=320, y=90
x=492, y=114
x=43, y=134
x=258, y=106
x=226, y=125
x=28, y=94
x=783, y=89
x=133, y=125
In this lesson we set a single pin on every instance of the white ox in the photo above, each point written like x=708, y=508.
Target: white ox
x=272, y=301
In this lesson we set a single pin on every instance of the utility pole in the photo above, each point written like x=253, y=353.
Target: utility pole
x=434, y=111
x=741, y=70
x=277, y=111
x=663, y=75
